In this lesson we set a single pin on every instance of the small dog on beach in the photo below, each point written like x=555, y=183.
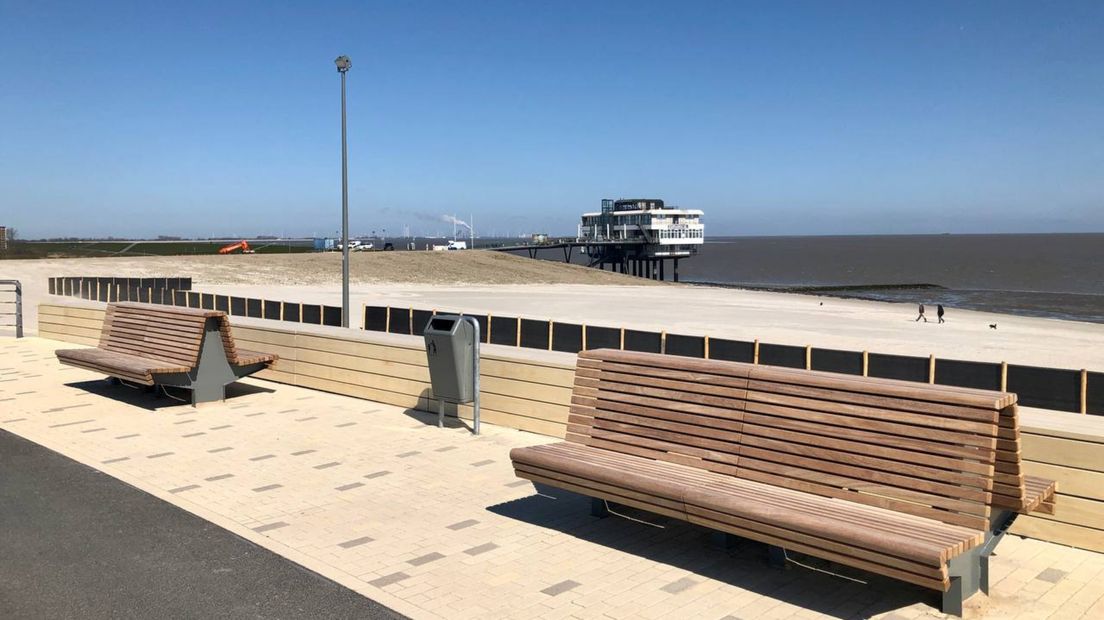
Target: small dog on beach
x=992, y=326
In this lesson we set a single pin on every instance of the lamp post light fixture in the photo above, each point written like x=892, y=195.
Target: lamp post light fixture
x=343, y=64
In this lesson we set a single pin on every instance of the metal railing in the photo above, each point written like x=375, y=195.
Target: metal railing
x=17, y=288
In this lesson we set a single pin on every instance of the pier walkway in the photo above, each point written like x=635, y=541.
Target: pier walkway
x=433, y=523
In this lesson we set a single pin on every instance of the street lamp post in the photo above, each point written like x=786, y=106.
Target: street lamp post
x=343, y=64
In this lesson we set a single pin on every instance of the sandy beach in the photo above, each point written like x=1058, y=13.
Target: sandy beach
x=487, y=282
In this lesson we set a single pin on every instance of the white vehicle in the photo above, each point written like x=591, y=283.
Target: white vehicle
x=452, y=245
x=355, y=246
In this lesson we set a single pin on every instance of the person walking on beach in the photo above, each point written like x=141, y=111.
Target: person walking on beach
x=922, y=314
x=939, y=313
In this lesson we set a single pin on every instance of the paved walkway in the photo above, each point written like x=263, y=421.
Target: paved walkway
x=432, y=523
x=79, y=544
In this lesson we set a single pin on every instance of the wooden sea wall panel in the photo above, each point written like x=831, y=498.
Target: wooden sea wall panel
x=76, y=324
x=516, y=390
x=1069, y=448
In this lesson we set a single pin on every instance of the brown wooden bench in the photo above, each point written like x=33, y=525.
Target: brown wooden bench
x=912, y=481
x=162, y=345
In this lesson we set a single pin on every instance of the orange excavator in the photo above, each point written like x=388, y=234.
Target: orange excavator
x=242, y=245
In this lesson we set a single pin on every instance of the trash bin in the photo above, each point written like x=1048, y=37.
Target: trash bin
x=449, y=342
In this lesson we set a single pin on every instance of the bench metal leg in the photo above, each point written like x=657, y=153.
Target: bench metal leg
x=969, y=572
x=965, y=574
x=598, y=508
x=776, y=556
x=953, y=598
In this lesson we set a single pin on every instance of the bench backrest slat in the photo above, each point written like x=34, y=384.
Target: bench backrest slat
x=913, y=448
x=678, y=415
x=154, y=332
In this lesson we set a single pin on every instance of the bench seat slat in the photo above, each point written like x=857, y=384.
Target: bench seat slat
x=859, y=513
x=695, y=488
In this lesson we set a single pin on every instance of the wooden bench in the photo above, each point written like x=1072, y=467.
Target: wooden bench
x=912, y=481
x=164, y=345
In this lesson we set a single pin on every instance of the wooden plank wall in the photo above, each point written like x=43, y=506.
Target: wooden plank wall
x=1069, y=448
x=532, y=391
x=517, y=391
x=71, y=323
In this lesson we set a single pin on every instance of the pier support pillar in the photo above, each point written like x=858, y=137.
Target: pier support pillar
x=676, y=269
x=661, y=263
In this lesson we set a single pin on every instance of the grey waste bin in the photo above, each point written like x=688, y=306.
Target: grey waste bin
x=452, y=351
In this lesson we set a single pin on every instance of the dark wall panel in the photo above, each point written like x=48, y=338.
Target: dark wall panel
x=222, y=303
x=292, y=312
x=421, y=317
x=834, y=360
x=53, y=286
x=193, y=299
x=331, y=315
x=902, y=367
x=1096, y=393
x=252, y=307
x=781, y=355
x=567, y=337
x=147, y=282
x=482, y=320
x=731, y=350
x=648, y=342
x=375, y=318
x=237, y=305
x=173, y=283
x=1047, y=388
x=504, y=330
x=981, y=375
x=399, y=321
x=312, y=314
x=272, y=309
x=180, y=298
x=534, y=334
x=104, y=292
x=688, y=346
x=207, y=301
x=602, y=338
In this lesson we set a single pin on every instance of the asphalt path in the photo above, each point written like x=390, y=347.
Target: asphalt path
x=77, y=543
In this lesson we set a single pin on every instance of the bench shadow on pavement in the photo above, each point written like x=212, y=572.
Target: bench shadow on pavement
x=698, y=550
x=153, y=400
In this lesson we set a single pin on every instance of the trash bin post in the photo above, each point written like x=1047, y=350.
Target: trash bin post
x=475, y=374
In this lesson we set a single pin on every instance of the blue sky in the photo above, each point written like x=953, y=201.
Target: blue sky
x=195, y=118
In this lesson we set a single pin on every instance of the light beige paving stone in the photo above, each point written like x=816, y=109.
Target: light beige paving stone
x=524, y=542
